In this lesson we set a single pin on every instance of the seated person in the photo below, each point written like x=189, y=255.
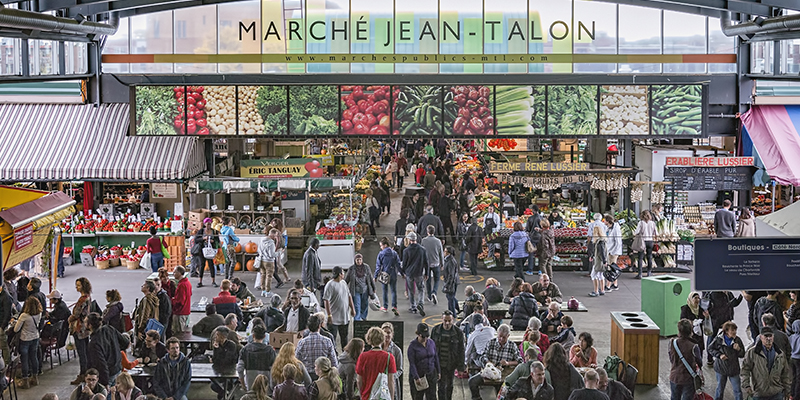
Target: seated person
x=271, y=315
x=207, y=324
x=295, y=314
x=499, y=351
x=126, y=364
x=566, y=333
x=522, y=308
x=232, y=323
x=225, y=295
x=552, y=320
x=493, y=292
x=583, y=354
x=481, y=335
x=614, y=389
x=533, y=382
x=90, y=387
x=524, y=369
x=230, y=308
x=473, y=298
x=313, y=303
x=153, y=349
x=534, y=324
x=173, y=374
x=514, y=290
x=530, y=341
x=466, y=324
x=256, y=321
x=546, y=291
x=224, y=359
x=240, y=291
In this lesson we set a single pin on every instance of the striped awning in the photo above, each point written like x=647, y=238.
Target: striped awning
x=60, y=142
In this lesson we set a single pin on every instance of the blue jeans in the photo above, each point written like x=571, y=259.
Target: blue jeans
x=392, y=285
x=736, y=384
x=463, y=257
x=81, y=345
x=361, y=303
x=28, y=352
x=452, y=303
x=681, y=392
x=415, y=290
x=435, y=271
x=156, y=261
x=532, y=262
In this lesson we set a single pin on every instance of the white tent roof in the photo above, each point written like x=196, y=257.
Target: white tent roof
x=784, y=220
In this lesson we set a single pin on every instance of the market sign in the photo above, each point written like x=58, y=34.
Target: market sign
x=709, y=178
x=499, y=167
x=326, y=160
x=747, y=264
x=544, y=181
x=710, y=161
x=281, y=168
x=23, y=237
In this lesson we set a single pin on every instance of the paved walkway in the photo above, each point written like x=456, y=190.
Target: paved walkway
x=596, y=321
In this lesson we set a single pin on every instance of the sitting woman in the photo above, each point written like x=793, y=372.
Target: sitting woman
x=493, y=293
x=584, y=354
x=516, y=288
x=552, y=320
x=522, y=308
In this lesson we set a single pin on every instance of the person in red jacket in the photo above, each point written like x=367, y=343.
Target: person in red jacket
x=420, y=174
x=225, y=295
x=182, y=301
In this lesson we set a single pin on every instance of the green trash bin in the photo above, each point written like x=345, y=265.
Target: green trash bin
x=662, y=298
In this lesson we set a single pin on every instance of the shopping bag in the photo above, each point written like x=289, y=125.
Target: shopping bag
x=491, y=372
x=145, y=261
x=70, y=343
x=421, y=384
x=209, y=252
x=127, y=323
x=380, y=389
x=374, y=303
x=708, y=330
x=638, y=243
x=164, y=250
x=257, y=285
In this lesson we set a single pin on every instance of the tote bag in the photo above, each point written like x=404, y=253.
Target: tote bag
x=380, y=389
x=209, y=252
x=638, y=243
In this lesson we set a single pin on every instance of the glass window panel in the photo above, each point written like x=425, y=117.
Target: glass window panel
x=790, y=55
x=75, y=58
x=718, y=43
x=370, y=22
x=196, y=33
x=118, y=44
x=151, y=34
x=599, y=20
x=502, y=19
x=639, y=33
x=230, y=15
x=407, y=36
x=684, y=34
x=331, y=28
x=275, y=30
x=10, y=56
x=544, y=14
x=761, y=58
x=465, y=18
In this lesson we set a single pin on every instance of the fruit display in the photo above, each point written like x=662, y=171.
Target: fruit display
x=339, y=232
x=677, y=109
x=503, y=144
x=365, y=110
x=344, y=213
x=509, y=222
x=418, y=110
x=571, y=233
x=468, y=110
x=191, y=118
x=520, y=110
x=624, y=110
x=571, y=248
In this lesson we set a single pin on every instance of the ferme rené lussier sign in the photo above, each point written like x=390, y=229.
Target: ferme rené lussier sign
x=382, y=28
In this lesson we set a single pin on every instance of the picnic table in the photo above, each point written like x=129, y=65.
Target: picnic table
x=200, y=372
x=499, y=311
x=198, y=344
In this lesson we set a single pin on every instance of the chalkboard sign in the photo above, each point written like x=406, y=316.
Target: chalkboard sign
x=709, y=178
x=360, y=329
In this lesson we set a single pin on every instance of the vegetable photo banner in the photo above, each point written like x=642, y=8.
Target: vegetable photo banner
x=501, y=111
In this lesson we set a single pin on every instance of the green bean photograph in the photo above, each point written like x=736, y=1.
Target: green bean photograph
x=677, y=109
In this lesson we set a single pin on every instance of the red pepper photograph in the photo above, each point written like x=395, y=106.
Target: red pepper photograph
x=365, y=110
x=468, y=110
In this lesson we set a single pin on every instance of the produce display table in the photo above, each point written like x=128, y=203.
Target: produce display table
x=334, y=253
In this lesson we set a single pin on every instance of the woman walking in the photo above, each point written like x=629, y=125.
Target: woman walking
x=373, y=362
x=599, y=261
x=450, y=273
x=423, y=365
x=347, y=366
x=647, y=229
x=28, y=327
x=614, y=244
x=362, y=286
x=692, y=311
x=280, y=252
x=747, y=225
x=727, y=349
x=517, y=249
x=154, y=246
x=547, y=249
x=77, y=327
x=208, y=238
x=329, y=385
x=461, y=238
x=373, y=212
x=229, y=240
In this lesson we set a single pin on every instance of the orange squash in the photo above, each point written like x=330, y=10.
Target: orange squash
x=238, y=247
x=251, y=265
x=251, y=248
x=238, y=267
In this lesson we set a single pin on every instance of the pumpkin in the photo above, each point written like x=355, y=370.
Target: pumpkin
x=251, y=265
x=251, y=248
x=238, y=267
x=238, y=247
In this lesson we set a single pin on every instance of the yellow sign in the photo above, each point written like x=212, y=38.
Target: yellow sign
x=501, y=167
x=325, y=159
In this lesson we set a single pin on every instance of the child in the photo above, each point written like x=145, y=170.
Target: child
x=127, y=365
x=566, y=333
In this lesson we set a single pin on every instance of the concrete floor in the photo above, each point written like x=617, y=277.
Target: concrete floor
x=596, y=321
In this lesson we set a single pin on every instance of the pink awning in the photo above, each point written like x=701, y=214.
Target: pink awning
x=774, y=133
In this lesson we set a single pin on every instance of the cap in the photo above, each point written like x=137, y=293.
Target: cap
x=357, y=256
x=55, y=294
x=766, y=331
x=423, y=330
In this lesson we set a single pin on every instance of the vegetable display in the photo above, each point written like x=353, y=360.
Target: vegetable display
x=313, y=110
x=156, y=109
x=221, y=109
x=572, y=110
x=468, y=110
x=623, y=110
x=250, y=121
x=365, y=110
x=418, y=110
x=271, y=106
x=677, y=109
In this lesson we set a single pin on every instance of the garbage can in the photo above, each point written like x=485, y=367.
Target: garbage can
x=634, y=338
x=662, y=298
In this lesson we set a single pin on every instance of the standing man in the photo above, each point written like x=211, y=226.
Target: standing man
x=435, y=255
x=338, y=300
x=147, y=309
x=182, y=302
x=474, y=245
x=173, y=373
x=724, y=220
x=415, y=270
x=765, y=370
x=255, y=359
x=266, y=252
x=314, y=346
x=104, y=347
x=312, y=272
x=450, y=348
x=389, y=262
x=229, y=240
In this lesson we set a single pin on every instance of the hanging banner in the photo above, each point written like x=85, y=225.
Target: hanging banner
x=281, y=168
x=710, y=161
x=23, y=237
x=537, y=167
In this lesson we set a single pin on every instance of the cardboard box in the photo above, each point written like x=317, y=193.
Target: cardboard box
x=87, y=260
x=241, y=231
x=290, y=222
x=277, y=339
x=198, y=215
x=192, y=226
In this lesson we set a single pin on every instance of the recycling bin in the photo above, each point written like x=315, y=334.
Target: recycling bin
x=634, y=338
x=662, y=298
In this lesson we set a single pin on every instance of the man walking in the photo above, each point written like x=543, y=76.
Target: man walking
x=450, y=347
x=429, y=219
x=415, y=270
x=266, y=252
x=765, y=370
x=182, y=302
x=474, y=245
x=435, y=255
x=338, y=301
x=724, y=220
x=312, y=273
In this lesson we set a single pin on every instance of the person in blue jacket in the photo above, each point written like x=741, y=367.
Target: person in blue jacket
x=229, y=240
x=388, y=261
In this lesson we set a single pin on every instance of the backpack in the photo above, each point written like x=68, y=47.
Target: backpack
x=614, y=366
x=95, y=308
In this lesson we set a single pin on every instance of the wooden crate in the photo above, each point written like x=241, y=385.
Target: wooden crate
x=634, y=338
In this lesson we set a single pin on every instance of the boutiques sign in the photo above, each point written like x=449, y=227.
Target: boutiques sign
x=281, y=168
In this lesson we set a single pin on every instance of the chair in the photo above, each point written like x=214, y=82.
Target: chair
x=628, y=378
x=51, y=342
x=10, y=373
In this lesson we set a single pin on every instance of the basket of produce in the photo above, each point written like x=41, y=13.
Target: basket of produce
x=102, y=262
x=114, y=261
x=116, y=250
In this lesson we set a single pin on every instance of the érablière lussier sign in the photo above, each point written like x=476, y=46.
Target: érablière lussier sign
x=747, y=264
